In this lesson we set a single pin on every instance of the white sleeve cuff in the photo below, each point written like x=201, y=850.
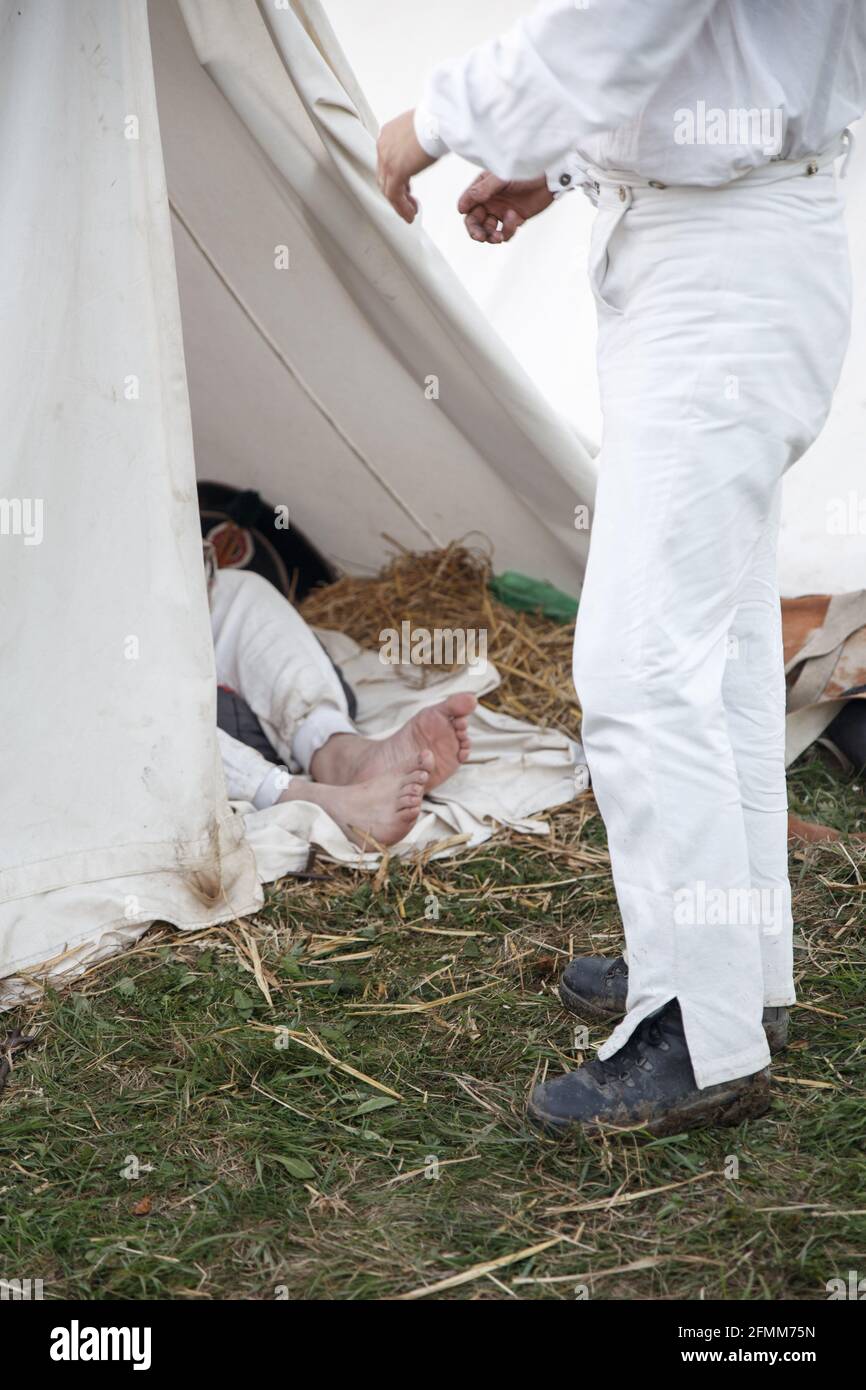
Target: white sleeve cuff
x=427, y=132
x=271, y=788
x=564, y=176
x=314, y=731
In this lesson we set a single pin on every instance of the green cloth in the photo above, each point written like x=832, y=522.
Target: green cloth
x=527, y=595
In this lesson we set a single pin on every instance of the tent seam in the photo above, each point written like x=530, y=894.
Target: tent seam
x=301, y=382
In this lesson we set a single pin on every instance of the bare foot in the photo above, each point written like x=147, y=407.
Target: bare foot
x=380, y=810
x=442, y=729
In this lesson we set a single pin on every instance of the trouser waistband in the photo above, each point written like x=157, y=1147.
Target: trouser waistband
x=776, y=169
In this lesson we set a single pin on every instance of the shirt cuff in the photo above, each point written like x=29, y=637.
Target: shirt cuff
x=427, y=131
x=271, y=789
x=564, y=176
x=314, y=731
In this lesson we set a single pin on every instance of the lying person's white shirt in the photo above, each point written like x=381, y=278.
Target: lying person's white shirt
x=267, y=653
x=659, y=89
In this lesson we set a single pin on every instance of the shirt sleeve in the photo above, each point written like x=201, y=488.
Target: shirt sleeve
x=570, y=70
x=566, y=174
x=249, y=776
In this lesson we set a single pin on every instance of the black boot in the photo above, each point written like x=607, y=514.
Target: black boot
x=596, y=987
x=648, y=1084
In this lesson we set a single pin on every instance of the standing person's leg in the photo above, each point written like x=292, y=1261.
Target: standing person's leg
x=717, y=364
x=753, y=691
x=670, y=544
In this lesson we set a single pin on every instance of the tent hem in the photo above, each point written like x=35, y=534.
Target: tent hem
x=186, y=857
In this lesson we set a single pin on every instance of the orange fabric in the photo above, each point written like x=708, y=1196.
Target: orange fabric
x=800, y=618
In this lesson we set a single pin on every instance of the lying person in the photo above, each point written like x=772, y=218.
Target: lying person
x=268, y=655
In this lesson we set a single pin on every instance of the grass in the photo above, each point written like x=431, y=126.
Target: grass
x=164, y=1141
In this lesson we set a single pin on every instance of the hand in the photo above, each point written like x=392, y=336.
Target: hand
x=494, y=208
x=400, y=157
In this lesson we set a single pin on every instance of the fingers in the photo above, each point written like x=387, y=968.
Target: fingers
x=474, y=223
x=482, y=188
x=491, y=225
x=510, y=223
x=399, y=196
x=407, y=205
x=399, y=157
x=483, y=225
x=395, y=187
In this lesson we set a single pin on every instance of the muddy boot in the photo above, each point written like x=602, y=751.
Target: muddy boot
x=648, y=1084
x=596, y=987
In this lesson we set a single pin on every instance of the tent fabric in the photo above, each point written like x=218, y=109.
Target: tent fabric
x=265, y=149
x=825, y=662
x=113, y=809
x=317, y=385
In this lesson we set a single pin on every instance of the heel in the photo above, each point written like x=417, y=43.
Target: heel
x=751, y=1103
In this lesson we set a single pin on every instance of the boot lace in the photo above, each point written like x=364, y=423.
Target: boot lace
x=646, y=1038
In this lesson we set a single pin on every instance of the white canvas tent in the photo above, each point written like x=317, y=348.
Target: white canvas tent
x=198, y=271
x=307, y=383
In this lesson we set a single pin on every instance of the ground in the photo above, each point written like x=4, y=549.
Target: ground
x=176, y=1135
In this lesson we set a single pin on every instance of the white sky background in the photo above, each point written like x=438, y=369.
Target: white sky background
x=535, y=292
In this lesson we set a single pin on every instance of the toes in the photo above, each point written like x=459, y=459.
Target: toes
x=413, y=796
x=426, y=761
x=412, y=786
x=459, y=706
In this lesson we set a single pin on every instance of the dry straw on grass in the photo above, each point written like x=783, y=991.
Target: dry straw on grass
x=448, y=589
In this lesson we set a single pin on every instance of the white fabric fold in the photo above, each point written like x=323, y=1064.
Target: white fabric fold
x=515, y=772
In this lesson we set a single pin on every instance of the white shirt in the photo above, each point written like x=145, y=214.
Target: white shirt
x=679, y=91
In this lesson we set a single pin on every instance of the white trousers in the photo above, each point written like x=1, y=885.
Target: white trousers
x=723, y=321
x=267, y=653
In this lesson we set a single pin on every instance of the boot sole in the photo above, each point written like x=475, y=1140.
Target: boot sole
x=777, y=1035
x=715, y=1106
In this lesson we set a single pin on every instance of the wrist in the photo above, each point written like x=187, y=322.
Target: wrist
x=427, y=131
